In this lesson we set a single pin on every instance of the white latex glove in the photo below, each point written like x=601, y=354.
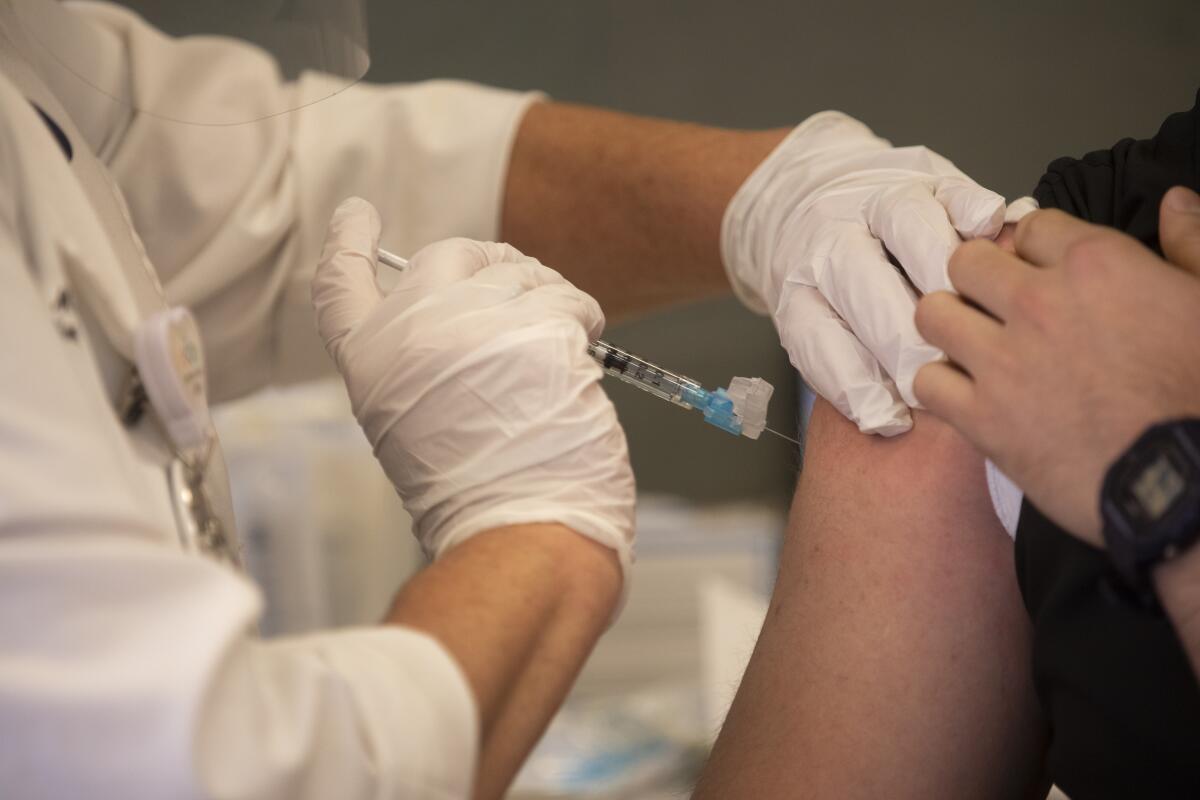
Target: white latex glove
x=472, y=382
x=1019, y=208
x=803, y=240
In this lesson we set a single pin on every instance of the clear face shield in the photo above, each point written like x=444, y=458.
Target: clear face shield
x=325, y=36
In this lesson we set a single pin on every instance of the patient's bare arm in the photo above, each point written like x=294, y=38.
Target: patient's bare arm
x=894, y=661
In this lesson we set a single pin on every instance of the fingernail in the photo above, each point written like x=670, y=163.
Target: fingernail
x=1184, y=200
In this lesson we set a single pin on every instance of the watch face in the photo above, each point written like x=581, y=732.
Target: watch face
x=1155, y=488
x=1150, y=501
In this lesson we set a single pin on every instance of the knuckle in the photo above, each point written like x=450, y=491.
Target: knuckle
x=1036, y=224
x=453, y=244
x=1084, y=250
x=930, y=311
x=1004, y=365
x=921, y=156
x=966, y=255
x=1032, y=223
x=441, y=249
x=1090, y=253
x=1188, y=243
x=1031, y=303
x=926, y=310
x=922, y=385
x=904, y=197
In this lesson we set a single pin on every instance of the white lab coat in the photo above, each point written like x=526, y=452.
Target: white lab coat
x=128, y=665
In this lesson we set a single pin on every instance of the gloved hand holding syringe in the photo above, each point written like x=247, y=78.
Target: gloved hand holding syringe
x=741, y=409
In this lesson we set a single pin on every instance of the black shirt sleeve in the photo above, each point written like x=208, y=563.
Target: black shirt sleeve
x=1122, y=187
x=1114, y=682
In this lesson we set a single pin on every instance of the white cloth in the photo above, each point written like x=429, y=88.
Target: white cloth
x=1006, y=497
x=128, y=669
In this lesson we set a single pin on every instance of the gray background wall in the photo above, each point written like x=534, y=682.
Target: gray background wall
x=999, y=88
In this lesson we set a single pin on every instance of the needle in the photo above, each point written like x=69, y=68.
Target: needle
x=781, y=436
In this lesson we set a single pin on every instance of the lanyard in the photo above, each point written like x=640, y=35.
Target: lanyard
x=171, y=375
x=110, y=271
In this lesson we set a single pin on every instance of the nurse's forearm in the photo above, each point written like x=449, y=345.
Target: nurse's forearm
x=519, y=609
x=628, y=208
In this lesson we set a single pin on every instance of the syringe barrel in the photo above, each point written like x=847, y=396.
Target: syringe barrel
x=648, y=377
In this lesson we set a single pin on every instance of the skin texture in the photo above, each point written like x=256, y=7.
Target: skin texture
x=519, y=609
x=1066, y=351
x=601, y=196
x=894, y=658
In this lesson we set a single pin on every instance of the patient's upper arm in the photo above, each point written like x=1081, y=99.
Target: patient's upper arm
x=894, y=661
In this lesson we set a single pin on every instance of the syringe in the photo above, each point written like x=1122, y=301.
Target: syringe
x=741, y=409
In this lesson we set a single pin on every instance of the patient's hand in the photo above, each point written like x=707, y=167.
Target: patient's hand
x=1074, y=346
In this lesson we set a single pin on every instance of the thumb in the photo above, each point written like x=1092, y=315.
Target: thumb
x=1179, y=228
x=344, y=290
x=975, y=212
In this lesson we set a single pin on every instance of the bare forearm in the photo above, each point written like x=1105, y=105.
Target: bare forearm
x=1178, y=583
x=628, y=208
x=519, y=609
x=548, y=674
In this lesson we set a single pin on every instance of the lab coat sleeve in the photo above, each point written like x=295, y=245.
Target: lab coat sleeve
x=127, y=673
x=126, y=666
x=234, y=217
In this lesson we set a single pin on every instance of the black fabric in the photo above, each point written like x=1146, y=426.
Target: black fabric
x=1123, y=187
x=1114, y=681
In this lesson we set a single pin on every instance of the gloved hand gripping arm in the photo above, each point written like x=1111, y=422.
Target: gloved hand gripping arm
x=641, y=212
x=806, y=239
x=471, y=381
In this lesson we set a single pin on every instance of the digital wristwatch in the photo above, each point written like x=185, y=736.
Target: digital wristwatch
x=1150, y=502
